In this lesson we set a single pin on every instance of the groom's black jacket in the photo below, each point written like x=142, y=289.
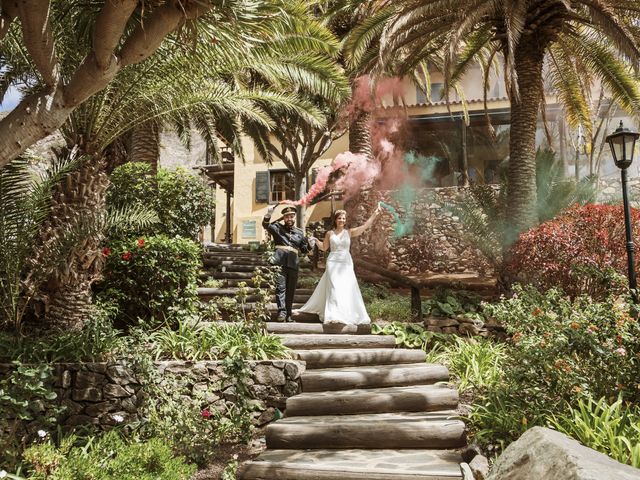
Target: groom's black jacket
x=293, y=237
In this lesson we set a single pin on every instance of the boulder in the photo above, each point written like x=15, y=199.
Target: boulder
x=544, y=454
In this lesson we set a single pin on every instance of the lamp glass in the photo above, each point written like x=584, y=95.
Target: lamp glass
x=630, y=145
x=617, y=147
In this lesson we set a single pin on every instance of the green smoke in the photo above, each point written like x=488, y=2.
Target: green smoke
x=406, y=195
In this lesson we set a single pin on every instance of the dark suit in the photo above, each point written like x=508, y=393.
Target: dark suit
x=288, y=261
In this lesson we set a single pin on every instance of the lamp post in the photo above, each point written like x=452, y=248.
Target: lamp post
x=622, y=143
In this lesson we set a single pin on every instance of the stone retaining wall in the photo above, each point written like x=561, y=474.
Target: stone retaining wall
x=610, y=190
x=437, y=244
x=464, y=326
x=104, y=394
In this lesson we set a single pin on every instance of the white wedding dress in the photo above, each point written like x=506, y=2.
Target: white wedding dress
x=337, y=298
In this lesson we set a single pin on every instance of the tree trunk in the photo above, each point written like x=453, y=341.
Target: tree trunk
x=300, y=182
x=76, y=219
x=145, y=144
x=521, y=187
x=360, y=134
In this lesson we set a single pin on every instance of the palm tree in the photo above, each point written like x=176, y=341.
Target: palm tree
x=269, y=58
x=571, y=42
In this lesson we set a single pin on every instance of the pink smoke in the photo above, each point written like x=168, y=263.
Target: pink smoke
x=388, y=128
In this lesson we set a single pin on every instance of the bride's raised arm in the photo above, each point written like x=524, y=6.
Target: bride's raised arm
x=357, y=231
x=326, y=243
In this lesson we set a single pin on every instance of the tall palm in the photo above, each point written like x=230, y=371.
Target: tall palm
x=269, y=57
x=573, y=40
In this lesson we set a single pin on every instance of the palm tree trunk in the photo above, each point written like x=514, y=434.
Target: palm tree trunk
x=145, y=144
x=78, y=204
x=360, y=134
x=521, y=187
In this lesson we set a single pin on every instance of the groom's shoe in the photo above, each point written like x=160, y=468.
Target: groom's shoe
x=281, y=317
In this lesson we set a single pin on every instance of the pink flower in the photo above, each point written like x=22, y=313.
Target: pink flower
x=126, y=256
x=106, y=251
x=141, y=242
x=621, y=351
x=205, y=413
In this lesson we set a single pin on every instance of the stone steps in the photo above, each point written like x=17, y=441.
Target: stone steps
x=414, y=398
x=318, y=328
x=354, y=465
x=382, y=430
x=373, y=376
x=328, y=340
x=207, y=294
x=349, y=357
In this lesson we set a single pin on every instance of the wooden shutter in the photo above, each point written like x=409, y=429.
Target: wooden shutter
x=262, y=187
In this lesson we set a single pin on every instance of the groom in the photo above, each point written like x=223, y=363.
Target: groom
x=290, y=243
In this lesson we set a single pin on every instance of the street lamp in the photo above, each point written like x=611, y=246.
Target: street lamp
x=622, y=143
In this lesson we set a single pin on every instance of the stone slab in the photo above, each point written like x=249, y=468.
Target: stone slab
x=317, y=328
x=347, y=357
x=314, y=341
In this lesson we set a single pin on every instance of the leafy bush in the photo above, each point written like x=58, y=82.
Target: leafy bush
x=215, y=341
x=26, y=394
x=449, y=303
x=384, y=305
x=183, y=202
x=476, y=363
x=613, y=429
x=151, y=278
x=108, y=457
x=578, y=251
x=561, y=349
x=412, y=335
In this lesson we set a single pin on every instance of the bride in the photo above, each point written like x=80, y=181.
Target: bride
x=337, y=298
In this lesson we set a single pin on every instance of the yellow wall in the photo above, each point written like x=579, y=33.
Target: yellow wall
x=245, y=207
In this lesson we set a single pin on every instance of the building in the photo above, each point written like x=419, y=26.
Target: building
x=434, y=128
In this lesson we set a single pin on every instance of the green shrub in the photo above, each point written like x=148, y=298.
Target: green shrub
x=450, y=303
x=476, y=363
x=183, y=202
x=394, y=307
x=215, y=341
x=412, y=335
x=109, y=457
x=561, y=346
x=613, y=428
x=561, y=350
x=26, y=396
x=151, y=278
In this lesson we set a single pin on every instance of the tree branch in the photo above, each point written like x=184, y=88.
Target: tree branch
x=161, y=22
x=109, y=27
x=9, y=12
x=38, y=38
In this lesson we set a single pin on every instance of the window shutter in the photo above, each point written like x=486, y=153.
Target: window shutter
x=262, y=187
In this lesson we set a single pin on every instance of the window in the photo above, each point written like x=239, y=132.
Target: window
x=281, y=186
x=436, y=93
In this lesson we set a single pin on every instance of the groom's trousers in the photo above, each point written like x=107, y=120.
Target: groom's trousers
x=285, y=290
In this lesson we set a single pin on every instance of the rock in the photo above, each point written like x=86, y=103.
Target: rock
x=116, y=391
x=479, y=467
x=267, y=416
x=467, y=474
x=71, y=408
x=541, y=453
x=75, y=420
x=86, y=394
x=468, y=328
x=97, y=367
x=88, y=379
x=65, y=379
x=268, y=375
x=99, y=409
x=121, y=375
x=470, y=451
x=293, y=370
x=441, y=322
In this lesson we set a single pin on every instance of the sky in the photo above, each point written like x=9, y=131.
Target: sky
x=10, y=100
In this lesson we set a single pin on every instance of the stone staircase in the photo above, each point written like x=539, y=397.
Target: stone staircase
x=367, y=411
x=233, y=264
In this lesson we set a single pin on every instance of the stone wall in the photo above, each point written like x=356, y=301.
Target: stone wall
x=464, y=326
x=103, y=394
x=436, y=246
x=610, y=190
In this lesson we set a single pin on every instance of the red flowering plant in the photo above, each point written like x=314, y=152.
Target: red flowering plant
x=151, y=278
x=581, y=251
